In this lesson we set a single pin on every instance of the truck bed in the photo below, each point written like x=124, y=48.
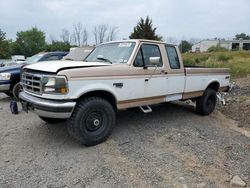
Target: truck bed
x=198, y=78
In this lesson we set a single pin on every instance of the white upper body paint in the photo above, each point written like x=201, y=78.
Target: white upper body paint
x=54, y=66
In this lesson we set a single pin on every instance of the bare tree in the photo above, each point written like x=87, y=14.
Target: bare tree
x=77, y=35
x=95, y=33
x=104, y=33
x=100, y=32
x=85, y=36
x=80, y=34
x=72, y=39
x=65, y=36
x=112, y=33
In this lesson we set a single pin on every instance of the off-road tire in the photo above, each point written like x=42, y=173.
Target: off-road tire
x=92, y=121
x=16, y=90
x=206, y=103
x=52, y=120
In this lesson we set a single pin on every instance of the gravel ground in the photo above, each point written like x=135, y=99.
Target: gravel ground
x=238, y=102
x=170, y=147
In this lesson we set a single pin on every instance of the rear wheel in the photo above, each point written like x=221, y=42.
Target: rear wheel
x=92, y=121
x=207, y=102
x=52, y=120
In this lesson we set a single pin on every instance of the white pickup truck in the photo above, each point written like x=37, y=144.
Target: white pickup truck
x=116, y=75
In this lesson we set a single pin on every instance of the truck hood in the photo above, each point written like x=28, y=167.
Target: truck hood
x=55, y=66
x=11, y=68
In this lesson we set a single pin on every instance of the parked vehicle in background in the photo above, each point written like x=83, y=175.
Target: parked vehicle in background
x=78, y=53
x=6, y=62
x=10, y=75
x=116, y=75
x=18, y=59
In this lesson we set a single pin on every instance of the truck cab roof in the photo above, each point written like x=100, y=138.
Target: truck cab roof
x=140, y=41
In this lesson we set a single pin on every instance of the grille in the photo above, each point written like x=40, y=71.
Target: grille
x=32, y=82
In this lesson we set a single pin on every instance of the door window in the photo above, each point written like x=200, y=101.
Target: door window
x=139, y=60
x=173, y=57
x=146, y=51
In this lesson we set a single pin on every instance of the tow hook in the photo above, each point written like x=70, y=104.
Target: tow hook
x=221, y=98
x=231, y=85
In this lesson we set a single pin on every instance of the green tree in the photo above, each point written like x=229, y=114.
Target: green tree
x=58, y=46
x=29, y=42
x=5, y=50
x=185, y=46
x=243, y=36
x=145, y=30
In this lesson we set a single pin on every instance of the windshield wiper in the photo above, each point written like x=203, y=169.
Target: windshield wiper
x=104, y=59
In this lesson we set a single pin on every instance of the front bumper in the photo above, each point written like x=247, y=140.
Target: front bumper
x=47, y=108
x=4, y=87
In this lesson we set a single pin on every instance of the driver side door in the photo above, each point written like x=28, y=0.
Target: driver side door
x=151, y=83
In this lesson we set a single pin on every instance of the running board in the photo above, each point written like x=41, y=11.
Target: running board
x=145, y=109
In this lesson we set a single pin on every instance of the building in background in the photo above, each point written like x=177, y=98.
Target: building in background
x=204, y=45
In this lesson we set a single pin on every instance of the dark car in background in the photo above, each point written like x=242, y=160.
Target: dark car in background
x=10, y=75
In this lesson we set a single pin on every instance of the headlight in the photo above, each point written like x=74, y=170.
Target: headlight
x=55, y=85
x=5, y=76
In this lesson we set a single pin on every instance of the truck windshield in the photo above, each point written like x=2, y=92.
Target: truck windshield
x=34, y=58
x=117, y=52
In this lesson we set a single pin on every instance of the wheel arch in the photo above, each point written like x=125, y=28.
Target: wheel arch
x=214, y=85
x=107, y=95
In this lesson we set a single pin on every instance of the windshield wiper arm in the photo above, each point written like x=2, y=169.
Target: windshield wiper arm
x=104, y=59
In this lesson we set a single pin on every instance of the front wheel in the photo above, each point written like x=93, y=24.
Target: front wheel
x=16, y=90
x=206, y=103
x=92, y=121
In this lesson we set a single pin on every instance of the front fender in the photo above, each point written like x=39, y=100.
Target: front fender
x=79, y=88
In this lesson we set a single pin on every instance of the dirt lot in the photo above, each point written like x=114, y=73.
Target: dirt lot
x=170, y=147
x=238, y=102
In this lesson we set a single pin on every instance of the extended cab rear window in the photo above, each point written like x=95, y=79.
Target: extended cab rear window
x=173, y=57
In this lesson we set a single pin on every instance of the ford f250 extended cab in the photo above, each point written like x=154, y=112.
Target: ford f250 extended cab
x=114, y=76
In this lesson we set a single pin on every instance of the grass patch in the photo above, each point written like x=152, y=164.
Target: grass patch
x=238, y=62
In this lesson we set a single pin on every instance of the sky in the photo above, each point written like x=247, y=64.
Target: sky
x=174, y=19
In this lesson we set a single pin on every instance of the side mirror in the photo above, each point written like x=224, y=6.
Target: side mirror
x=154, y=60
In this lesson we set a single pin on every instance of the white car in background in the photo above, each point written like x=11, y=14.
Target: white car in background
x=78, y=53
